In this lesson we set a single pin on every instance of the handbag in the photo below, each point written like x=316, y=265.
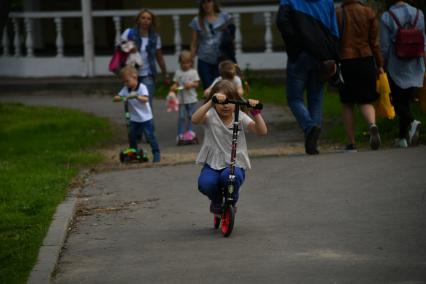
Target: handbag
x=383, y=105
x=118, y=60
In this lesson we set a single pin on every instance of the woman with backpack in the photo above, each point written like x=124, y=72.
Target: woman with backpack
x=148, y=43
x=403, y=47
x=208, y=28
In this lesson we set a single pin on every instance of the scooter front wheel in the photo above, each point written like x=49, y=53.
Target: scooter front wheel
x=228, y=218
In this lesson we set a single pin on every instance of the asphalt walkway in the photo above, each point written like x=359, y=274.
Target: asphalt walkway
x=331, y=218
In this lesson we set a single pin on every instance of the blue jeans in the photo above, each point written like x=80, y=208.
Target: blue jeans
x=208, y=72
x=149, y=82
x=185, y=113
x=303, y=74
x=211, y=181
x=147, y=128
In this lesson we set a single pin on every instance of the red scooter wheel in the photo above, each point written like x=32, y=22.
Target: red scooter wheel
x=228, y=217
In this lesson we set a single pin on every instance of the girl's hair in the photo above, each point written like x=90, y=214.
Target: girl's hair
x=202, y=14
x=228, y=69
x=229, y=90
x=225, y=87
x=153, y=17
x=185, y=54
x=128, y=71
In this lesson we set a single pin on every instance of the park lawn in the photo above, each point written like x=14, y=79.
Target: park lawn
x=42, y=150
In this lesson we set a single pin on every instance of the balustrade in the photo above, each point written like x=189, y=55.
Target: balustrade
x=23, y=38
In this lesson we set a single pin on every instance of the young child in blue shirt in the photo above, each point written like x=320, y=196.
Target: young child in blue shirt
x=141, y=118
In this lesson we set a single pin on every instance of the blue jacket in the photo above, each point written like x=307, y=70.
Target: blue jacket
x=309, y=26
x=151, y=47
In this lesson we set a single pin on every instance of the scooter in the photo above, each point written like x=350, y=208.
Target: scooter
x=226, y=220
x=188, y=137
x=130, y=154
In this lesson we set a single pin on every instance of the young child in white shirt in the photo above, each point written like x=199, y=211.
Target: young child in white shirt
x=227, y=71
x=141, y=118
x=215, y=153
x=185, y=82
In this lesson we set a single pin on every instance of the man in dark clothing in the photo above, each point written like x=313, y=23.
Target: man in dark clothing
x=309, y=29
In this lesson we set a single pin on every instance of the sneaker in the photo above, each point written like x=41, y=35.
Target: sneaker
x=350, y=148
x=414, y=132
x=311, y=141
x=216, y=208
x=374, y=137
x=156, y=158
x=401, y=143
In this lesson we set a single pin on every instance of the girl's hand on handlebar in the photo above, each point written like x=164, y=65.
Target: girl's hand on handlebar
x=220, y=97
x=252, y=102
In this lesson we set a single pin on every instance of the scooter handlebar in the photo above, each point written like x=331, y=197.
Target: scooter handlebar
x=238, y=102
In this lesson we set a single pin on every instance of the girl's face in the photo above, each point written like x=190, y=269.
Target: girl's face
x=208, y=6
x=186, y=64
x=224, y=111
x=145, y=21
x=130, y=81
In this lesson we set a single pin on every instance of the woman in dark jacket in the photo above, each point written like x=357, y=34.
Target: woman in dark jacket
x=361, y=62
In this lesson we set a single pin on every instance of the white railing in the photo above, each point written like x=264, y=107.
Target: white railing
x=18, y=51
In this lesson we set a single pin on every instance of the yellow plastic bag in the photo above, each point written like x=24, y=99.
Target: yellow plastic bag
x=421, y=94
x=383, y=106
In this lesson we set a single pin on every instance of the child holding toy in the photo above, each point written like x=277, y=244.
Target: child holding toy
x=141, y=118
x=185, y=83
x=215, y=153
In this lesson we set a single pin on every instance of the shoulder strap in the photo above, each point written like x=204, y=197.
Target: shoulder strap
x=343, y=21
x=416, y=19
x=395, y=18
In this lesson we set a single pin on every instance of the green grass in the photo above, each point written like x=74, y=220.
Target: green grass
x=42, y=149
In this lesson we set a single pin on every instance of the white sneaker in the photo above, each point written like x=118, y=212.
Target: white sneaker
x=414, y=132
x=401, y=143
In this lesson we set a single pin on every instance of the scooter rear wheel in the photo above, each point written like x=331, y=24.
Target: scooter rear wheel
x=228, y=218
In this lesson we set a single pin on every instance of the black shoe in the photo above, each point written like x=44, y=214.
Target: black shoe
x=311, y=141
x=350, y=148
x=375, y=140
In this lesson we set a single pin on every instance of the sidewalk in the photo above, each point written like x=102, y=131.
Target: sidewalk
x=323, y=223
x=284, y=135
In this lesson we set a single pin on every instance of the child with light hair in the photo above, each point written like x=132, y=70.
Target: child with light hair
x=228, y=70
x=141, y=117
x=185, y=82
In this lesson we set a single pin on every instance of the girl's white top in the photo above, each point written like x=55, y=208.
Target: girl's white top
x=217, y=144
x=237, y=81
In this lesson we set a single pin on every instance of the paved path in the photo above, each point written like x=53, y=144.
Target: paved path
x=332, y=218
